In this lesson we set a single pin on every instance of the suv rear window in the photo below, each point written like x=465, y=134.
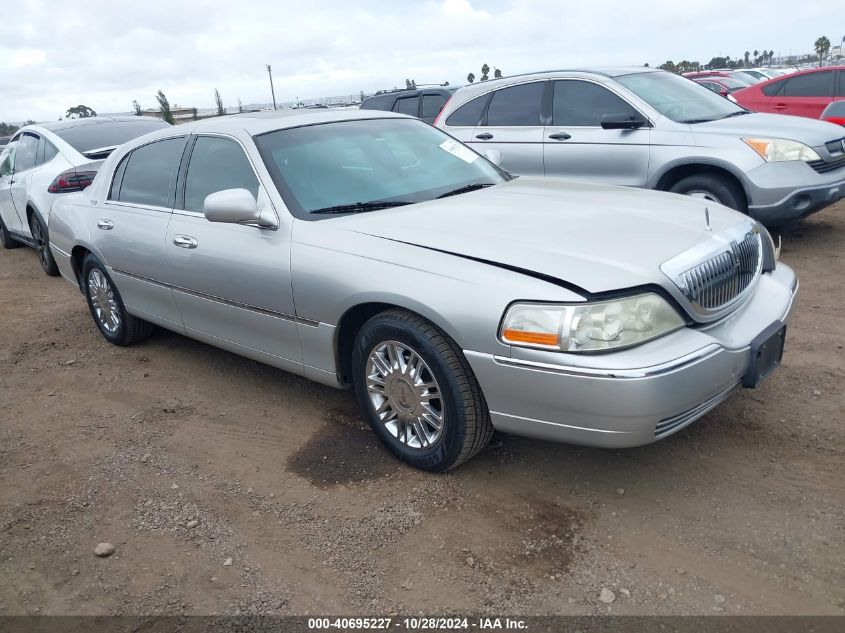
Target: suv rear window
x=468, y=114
x=84, y=138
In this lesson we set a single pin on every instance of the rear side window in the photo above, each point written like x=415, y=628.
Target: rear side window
x=26, y=152
x=775, y=88
x=432, y=105
x=841, y=91
x=818, y=84
x=149, y=177
x=516, y=106
x=408, y=105
x=379, y=102
x=50, y=151
x=468, y=114
x=217, y=164
x=90, y=136
x=581, y=103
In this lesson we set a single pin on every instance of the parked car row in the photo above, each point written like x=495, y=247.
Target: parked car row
x=370, y=250
x=806, y=93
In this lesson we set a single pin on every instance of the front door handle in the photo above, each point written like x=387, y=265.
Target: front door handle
x=185, y=241
x=779, y=106
x=105, y=225
x=484, y=137
x=560, y=136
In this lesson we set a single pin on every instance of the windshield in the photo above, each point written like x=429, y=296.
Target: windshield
x=678, y=98
x=361, y=165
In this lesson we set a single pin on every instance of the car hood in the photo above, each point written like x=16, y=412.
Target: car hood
x=595, y=237
x=809, y=131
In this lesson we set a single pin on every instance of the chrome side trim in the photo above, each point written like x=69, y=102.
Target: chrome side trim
x=234, y=304
x=60, y=251
x=558, y=424
x=594, y=372
x=668, y=426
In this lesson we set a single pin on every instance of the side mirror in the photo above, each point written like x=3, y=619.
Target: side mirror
x=494, y=156
x=621, y=122
x=236, y=206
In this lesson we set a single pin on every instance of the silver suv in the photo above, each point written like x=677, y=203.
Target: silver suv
x=649, y=128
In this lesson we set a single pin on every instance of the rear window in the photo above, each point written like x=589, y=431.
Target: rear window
x=408, y=105
x=380, y=102
x=432, y=105
x=84, y=138
x=469, y=113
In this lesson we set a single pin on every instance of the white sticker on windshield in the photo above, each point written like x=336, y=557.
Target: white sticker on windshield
x=461, y=151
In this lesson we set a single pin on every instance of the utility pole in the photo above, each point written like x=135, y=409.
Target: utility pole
x=272, y=90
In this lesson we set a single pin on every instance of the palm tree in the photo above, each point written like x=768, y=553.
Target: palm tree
x=747, y=56
x=485, y=70
x=822, y=47
x=164, y=108
x=470, y=78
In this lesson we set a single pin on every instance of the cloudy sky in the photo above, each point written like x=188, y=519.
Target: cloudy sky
x=105, y=53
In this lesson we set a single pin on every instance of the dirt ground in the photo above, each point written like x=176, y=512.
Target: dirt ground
x=230, y=487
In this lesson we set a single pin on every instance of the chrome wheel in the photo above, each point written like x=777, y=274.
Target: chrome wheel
x=704, y=195
x=103, y=301
x=405, y=395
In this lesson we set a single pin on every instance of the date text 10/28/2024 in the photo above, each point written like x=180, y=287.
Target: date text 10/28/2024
x=417, y=623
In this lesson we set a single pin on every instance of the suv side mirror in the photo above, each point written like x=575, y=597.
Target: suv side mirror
x=494, y=156
x=236, y=206
x=621, y=122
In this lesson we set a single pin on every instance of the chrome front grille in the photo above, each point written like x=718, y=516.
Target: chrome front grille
x=722, y=278
x=716, y=273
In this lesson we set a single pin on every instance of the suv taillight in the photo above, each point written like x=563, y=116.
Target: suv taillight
x=442, y=110
x=71, y=180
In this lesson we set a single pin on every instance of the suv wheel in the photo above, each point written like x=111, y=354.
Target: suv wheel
x=714, y=188
x=42, y=245
x=6, y=239
x=115, y=324
x=418, y=392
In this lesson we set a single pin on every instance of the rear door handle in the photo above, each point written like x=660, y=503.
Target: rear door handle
x=185, y=241
x=560, y=136
x=105, y=225
x=779, y=106
x=484, y=137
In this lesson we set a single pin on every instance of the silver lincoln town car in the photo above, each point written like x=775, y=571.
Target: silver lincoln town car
x=371, y=250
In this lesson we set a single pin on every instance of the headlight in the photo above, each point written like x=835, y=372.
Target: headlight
x=780, y=149
x=587, y=327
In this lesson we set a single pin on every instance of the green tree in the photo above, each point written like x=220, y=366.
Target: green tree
x=164, y=108
x=485, y=71
x=194, y=114
x=747, y=57
x=219, y=101
x=240, y=105
x=470, y=78
x=136, y=108
x=757, y=55
x=822, y=46
x=497, y=74
x=668, y=65
x=83, y=111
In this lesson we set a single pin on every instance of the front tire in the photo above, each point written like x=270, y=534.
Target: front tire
x=418, y=392
x=714, y=188
x=6, y=239
x=115, y=324
x=42, y=245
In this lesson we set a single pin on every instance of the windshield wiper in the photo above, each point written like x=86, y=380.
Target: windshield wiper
x=466, y=189
x=737, y=113
x=694, y=121
x=361, y=207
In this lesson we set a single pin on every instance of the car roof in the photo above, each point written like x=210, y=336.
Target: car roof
x=410, y=92
x=609, y=72
x=271, y=120
x=56, y=126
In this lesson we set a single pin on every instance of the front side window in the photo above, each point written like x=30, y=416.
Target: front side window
x=26, y=153
x=775, y=88
x=408, y=105
x=322, y=168
x=217, y=164
x=818, y=84
x=581, y=103
x=516, y=106
x=678, y=98
x=149, y=177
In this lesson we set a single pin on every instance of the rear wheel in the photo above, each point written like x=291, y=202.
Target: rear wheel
x=713, y=188
x=418, y=392
x=6, y=239
x=115, y=324
x=42, y=245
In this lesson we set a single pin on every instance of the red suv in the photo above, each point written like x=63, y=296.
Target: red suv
x=805, y=93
